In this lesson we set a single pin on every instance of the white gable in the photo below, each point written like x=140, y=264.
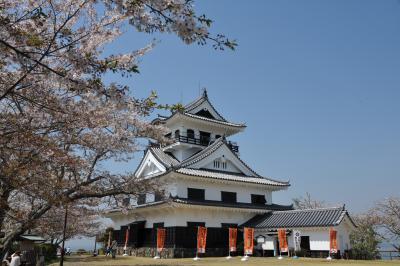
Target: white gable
x=223, y=155
x=149, y=166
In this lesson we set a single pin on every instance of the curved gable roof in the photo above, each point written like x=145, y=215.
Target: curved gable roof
x=203, y=100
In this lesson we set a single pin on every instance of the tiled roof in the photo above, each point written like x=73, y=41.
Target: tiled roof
x=244, y=205
x=299, y=218
x=184, y=167
x=226, y=123
x=166, y=159
x=230, y=176
x=193, y=116
x=34, y=238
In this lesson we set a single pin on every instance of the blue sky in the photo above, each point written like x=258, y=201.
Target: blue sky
x=316, y=82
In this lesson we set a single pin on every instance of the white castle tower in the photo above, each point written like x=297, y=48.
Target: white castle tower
x=205, y=183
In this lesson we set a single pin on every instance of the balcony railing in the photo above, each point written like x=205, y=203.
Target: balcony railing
x=204, y=141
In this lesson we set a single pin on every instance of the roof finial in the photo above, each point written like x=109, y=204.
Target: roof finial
x=205, y=93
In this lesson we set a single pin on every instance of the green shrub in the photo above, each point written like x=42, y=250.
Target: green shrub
x=49, y=251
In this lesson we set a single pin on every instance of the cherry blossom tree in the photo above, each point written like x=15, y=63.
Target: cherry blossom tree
x=387, y=216
x=84, y=222
x=59, y=121
x=307, y=202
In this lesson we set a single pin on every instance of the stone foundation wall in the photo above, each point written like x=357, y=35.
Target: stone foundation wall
x=169, y=253
x=172, y=252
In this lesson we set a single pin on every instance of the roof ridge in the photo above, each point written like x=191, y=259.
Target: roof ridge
x=192, y=159
x=195, y=102
x=153, y=151
x=316, y=209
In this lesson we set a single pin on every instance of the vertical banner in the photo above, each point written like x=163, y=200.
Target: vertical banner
x=201, y=239
x=109, y=238
x=248, y=240
x=332, y=241
x=297, y=240
x=126, y=238
x=282, y=240
x=161, y=232
x=232, y=239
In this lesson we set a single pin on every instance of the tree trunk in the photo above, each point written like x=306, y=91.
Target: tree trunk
x=4, y=207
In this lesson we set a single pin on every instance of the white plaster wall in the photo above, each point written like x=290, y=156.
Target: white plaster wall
x=150, y=217
x=344, y=231
x=213, y=190
x=319, y=237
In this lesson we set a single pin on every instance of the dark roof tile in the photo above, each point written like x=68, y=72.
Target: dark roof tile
x=299, y=218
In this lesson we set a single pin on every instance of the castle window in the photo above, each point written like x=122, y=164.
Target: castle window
x=228, y=196
x=190, y=134
x=223, y=165
x=219, y=164
x=177, y=133
x=158, y=196
x=205, y=138
x=126, y=202
x=196, y=194
x=141, y=199
x=258, y=199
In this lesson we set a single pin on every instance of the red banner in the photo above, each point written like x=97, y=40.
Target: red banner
x=232, y=239
x=109, y=239
x=248, y=240
x=126, y=238
x=201, y=239
x=332, y=241
x=283, y=246
x=161, y=232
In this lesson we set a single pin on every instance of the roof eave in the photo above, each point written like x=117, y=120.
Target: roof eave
x=272, y=186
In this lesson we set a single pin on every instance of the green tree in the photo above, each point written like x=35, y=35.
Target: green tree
x=364, y=239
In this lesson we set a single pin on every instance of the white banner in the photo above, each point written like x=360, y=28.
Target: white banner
x=297, y=240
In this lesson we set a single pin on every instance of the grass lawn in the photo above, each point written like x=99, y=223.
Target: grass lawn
x=139, y=261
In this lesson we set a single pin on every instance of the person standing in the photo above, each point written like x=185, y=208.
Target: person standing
x=16, y=259
x=113, y=249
